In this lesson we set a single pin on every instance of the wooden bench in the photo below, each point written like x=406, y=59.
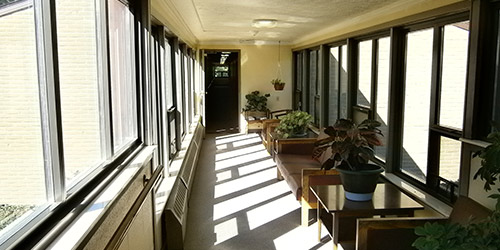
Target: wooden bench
x=296, y=166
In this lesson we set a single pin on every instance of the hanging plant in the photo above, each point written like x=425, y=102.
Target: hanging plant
x=278, y=84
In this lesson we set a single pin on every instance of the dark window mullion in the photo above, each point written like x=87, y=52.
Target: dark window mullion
x=432, y=179
x=374, y=84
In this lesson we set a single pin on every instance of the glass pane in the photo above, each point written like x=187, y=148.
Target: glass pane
x=343, y=82
x=455, y=45
x=76, y=35
x=299, y=72
x=382, y=113
x=22, y=177
x=364, y=73
x=123, y=89
x=168, y=75
x=449, y=159
x=417, y=103
x=333, y=86
x=313, y=78
x=178, y=85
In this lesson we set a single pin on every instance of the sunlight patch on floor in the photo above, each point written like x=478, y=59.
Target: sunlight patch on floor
x=258, y=166
x=303, y=238
x=241, y=202
x=243, y=183
x=238, y=152
x=246, y=142
x=271, y=211
x=221, y=147
x=225, y=230
x=234, y=138
x=222, y=176
x=223, y=164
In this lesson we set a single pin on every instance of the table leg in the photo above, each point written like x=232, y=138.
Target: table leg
x=318, y=207
x=335, y=230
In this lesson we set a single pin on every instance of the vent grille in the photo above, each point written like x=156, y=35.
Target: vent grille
x=180, y=200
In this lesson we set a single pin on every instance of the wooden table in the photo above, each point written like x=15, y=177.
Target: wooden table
x=339, y=215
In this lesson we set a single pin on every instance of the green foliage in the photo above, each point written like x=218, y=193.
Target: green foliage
x=490, y=161
x=256, y=102
x=351, y=144
x=484, y=235
x=294, y=123
x=277, y=81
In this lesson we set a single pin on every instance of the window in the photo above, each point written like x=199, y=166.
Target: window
x=337, y=84
x=123, y=87
x=364, y=73
x=221, y=71
x=382, y=97
x=417, y=103
x=434, y=106
x=297, y=98
x=83, y=139
x=313, y=106
x=22, y=173
x=56, y=106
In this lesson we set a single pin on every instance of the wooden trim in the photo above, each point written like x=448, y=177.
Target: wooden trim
x=308, y=172
x=365, y=225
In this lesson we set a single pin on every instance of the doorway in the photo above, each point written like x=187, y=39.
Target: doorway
x=221, y=87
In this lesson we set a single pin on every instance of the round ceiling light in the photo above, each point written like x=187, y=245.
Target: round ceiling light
x=264, y=23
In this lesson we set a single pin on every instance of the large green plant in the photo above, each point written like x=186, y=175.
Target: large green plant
x=484, y=235
x=293, y=124
x=256, y=102
x=351, y=144
x=490, y=161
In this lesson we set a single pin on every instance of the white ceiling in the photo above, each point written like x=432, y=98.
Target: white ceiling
x=223, y=21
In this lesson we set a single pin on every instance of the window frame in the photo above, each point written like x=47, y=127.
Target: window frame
x=435, y=130
x=37, y=225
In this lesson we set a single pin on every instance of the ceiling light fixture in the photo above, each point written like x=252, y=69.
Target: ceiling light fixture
x=264, y=23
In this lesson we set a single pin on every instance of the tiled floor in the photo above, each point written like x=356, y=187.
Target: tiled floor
x=237, y=203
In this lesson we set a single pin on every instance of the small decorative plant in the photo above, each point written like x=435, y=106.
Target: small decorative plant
x=293, y=124
x=350, y=144
x=256, y=102
x=278, y=84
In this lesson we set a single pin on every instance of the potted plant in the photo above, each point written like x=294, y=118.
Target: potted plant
x=278, y=84
x=351, y=149
x=484, y=234
x=256, y=106
x=294, y=124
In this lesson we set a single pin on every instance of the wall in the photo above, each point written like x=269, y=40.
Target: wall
x=258, y=66
x=476, y=187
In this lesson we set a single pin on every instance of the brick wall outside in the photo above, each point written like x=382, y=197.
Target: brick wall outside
x=22, y=178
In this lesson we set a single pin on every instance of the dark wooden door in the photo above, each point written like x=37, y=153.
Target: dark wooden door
x=221, y=86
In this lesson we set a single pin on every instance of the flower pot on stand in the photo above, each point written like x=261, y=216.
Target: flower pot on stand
x=359, y=185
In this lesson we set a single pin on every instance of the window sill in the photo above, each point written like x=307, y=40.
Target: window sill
x=97, y=209
x=419, y=195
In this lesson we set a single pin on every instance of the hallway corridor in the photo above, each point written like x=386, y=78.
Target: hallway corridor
x=237, y=203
